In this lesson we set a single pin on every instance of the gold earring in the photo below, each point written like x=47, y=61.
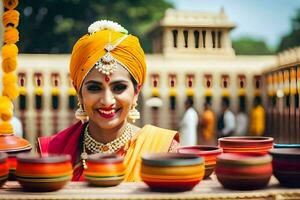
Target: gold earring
x=134, y=114
x=81, y=114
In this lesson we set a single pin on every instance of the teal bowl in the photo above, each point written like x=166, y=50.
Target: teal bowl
x=277, y=146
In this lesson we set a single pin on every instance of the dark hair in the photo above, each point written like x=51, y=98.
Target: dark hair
x=135, y=84
x=226, y=101
x=189, y=102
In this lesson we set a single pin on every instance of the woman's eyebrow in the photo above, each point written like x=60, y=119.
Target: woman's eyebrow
x=93, y=82
x=118, y=81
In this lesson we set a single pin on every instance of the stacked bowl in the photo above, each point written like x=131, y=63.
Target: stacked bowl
x=246, y=144
x=244, y=171
x=276, y=146
x=104, y=170
x=4, y=168
x=286, y=166
x=43, y=173
x=209, y=153
x=172, y=171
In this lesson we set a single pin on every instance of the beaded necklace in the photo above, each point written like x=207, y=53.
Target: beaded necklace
x=94, y=146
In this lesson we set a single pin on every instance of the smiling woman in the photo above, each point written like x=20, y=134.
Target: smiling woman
x=108, y=70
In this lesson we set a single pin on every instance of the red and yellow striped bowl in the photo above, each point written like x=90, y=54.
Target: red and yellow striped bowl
x=43, y=173
x=246, y=144
x=104, y=170
x=244, y=171
x=172, y=172
x=209, y=153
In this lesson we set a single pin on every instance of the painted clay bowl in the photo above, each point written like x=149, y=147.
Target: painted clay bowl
x=244, y=171
x=43, y=173
x=172, y=171
x=286, y=166
x=104, y=170
x=246, y=144
x=286, y=146
x=13, y=145
x=12, y=162
x=4, y=168
x=209, y=153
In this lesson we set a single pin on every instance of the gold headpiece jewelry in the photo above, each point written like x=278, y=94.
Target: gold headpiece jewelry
x=107, y=63
x=94, y=146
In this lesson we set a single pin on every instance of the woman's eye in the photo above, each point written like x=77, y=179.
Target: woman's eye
x=119, y=88
x=93, y=88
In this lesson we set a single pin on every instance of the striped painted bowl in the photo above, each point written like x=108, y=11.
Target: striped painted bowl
x=104, y=170
x=209, y=153
x=246, y=144
x=172, y=171
x=4, y=168
x=286, y=166
x=43, y=173
x=244, y=171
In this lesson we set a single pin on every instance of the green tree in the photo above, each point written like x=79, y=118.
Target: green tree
x=52, y=26
x=250, y=46
x=293, y=38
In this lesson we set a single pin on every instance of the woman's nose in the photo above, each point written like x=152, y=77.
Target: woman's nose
x=108, y=99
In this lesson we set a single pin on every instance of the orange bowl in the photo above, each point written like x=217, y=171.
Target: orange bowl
x=43, y=173
x=172, y=171
x=104, y=170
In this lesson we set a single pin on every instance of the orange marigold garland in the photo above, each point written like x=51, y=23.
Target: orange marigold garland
x=9, y=65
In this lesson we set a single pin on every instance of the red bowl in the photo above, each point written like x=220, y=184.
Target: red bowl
x=244, y=171
x=209, y=153
x=4, y=168
x=172, y=171
x=246, y=144
x=43, y=173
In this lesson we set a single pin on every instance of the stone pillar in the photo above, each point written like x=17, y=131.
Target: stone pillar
x=167, y=40
x=226, y=40
x=191, y=39
x=208, y=42
x=180, y=39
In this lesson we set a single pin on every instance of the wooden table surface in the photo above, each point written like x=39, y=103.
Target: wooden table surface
x=206, y=189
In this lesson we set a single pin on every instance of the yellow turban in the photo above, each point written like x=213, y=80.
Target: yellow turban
x=90, y=48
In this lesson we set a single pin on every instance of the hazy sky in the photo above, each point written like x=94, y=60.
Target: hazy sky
x=266, y=19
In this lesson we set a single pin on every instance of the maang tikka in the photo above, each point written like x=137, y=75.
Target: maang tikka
x=107, y=63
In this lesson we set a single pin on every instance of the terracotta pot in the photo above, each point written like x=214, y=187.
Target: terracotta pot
x=244, y=171
x=172, y=172
x=104, y=170
x=4, y=168
x=246, y=144
x=43, y=173
x=209, y=153
x=12, y=144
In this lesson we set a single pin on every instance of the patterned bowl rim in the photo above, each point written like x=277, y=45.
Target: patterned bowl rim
x=105, y=158
x=201, y=149
x=171, y=159
x=244, y=159
x=250, y=139
x=38, y=158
